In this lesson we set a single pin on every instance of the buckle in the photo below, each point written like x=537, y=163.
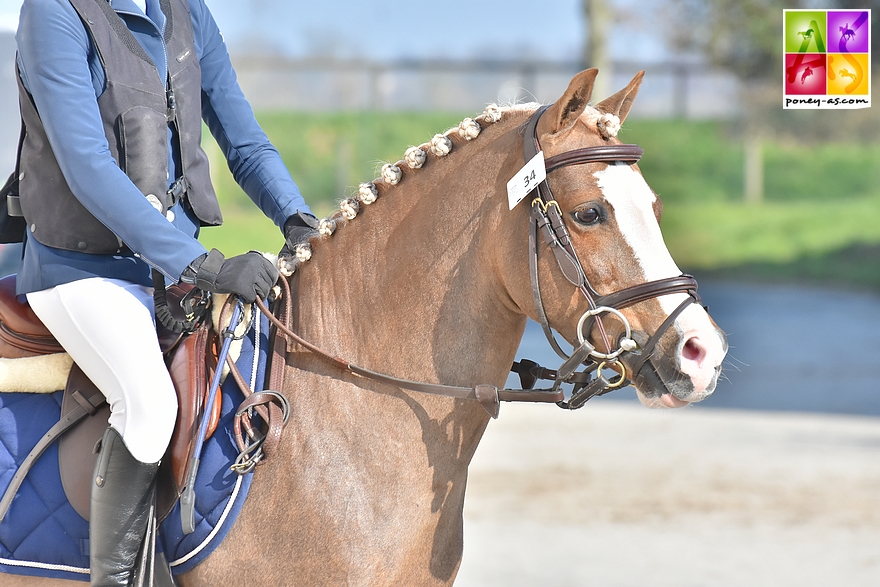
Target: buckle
x=170, y=105
x=177, y=191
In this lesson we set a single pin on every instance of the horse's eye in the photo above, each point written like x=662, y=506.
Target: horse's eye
x=587, y=215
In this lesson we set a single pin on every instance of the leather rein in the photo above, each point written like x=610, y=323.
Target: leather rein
x=546, y=217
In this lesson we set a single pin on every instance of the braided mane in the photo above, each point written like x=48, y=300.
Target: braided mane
x=607, y=125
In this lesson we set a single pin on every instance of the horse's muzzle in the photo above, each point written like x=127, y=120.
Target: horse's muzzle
x=686, y=369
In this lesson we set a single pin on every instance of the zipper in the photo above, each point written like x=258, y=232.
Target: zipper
x=170, y=100
x=156, y=267
x=161, y=36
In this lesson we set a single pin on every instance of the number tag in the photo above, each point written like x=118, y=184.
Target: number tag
x=526, y=179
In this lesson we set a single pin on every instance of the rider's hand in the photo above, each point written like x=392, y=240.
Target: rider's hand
x=250, y=275
x=298, y=229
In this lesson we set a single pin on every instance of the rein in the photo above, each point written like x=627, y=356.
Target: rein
x=489, y=396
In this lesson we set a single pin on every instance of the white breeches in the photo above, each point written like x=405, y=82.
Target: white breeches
x=108, y=328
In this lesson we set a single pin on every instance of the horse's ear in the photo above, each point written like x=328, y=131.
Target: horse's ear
x=620, y=103
x=567, y=109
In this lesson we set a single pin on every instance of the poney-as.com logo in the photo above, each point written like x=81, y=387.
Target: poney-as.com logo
x=827, y=59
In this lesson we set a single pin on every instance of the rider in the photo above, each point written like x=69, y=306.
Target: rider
x=114, y=184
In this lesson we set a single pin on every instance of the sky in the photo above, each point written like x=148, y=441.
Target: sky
x=382, y=30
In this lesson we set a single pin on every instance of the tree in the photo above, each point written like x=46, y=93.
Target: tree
x=742, y=36
x=598, y=19
x=745, y=37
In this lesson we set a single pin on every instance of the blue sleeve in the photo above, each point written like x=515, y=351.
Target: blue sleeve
x=54, y=51
x=253, y=160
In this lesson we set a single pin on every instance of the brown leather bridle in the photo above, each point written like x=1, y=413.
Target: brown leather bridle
x=546, y=217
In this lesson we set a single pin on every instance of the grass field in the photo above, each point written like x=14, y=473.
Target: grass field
x=821, y=215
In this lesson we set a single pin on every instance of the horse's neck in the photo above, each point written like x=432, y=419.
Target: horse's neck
x=409, y=287
x=371, y=476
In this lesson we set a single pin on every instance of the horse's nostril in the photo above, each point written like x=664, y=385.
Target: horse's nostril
x=693, y=351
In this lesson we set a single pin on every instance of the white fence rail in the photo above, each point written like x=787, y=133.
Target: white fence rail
x=672, y=89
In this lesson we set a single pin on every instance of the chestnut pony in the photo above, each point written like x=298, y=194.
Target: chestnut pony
x=431, y=282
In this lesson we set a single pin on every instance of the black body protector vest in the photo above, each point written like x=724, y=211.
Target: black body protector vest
x=136, y=111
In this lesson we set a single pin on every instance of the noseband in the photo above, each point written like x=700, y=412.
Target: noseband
x=546, y=218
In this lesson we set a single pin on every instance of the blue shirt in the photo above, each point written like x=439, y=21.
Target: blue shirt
x=60, y=68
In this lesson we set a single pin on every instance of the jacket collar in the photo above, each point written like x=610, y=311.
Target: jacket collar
x=129, y=7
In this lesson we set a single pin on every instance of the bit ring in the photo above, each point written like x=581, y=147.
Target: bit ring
x=627, y=336
x=620, y=380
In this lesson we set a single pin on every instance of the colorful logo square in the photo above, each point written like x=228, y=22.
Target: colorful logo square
x=848, y=74
x=805, y=74
x=827, y=58
x=805, y=31
x=848, y=31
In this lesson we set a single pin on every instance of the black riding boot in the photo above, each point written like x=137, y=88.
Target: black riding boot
x=123, y=496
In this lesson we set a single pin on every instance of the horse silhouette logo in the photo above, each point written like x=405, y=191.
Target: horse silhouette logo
x=807, y=73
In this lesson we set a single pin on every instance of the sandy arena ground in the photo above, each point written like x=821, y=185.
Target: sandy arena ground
x=616, y=495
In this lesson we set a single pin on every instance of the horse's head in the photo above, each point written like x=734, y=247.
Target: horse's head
x=674, y=352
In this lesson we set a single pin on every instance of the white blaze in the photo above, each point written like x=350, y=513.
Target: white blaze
x=628, y=194
x=626, y=191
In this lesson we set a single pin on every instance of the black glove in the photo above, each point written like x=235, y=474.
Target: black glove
x=250, y=275
x=298, y=229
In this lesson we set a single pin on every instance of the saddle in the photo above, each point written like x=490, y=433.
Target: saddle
x=191, y=358
x=22, y=334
